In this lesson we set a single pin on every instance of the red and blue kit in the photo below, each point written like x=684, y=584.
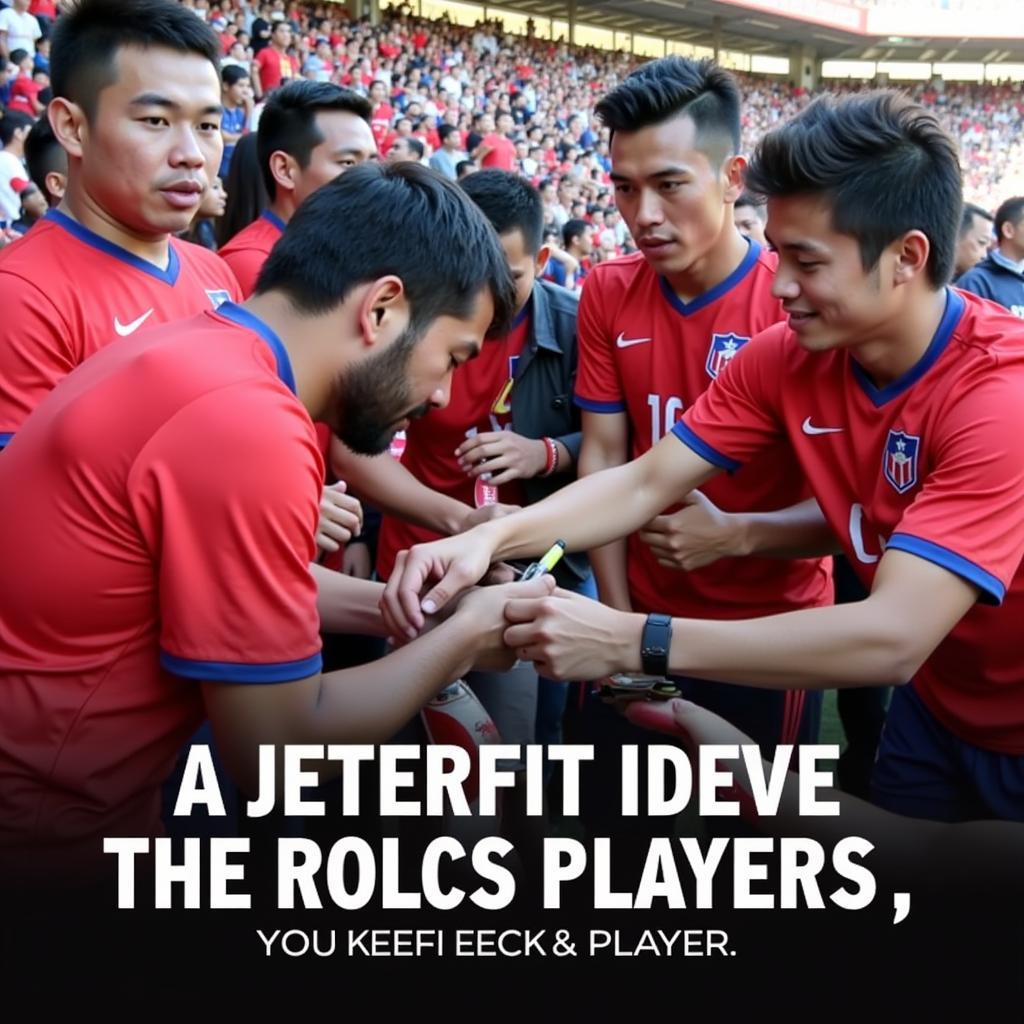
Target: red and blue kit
x=431, y=442
x=931, y=465
x=160, y=512
x=246, y=253
x=67, y=293
x=645, y=352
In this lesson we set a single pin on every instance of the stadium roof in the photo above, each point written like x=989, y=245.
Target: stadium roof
x=755, y=26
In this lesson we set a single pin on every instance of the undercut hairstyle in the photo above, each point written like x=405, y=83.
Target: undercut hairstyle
x=970, y=212
x=510, y=203
x=573, y=229
x=670, y=87
x=44, y=155
x=883, y=163
x=288, y=122
x=1009, y=212
x=416, y=145
x=87, y=38
x=379, y=219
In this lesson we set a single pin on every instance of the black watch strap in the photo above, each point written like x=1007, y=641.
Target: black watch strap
x=655, y=644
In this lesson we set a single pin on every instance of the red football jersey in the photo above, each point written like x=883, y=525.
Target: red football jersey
x=246, y=253
x=431, y=442
x=647, y=353
x=147, y=549
x=66, y=292
x=932, y=464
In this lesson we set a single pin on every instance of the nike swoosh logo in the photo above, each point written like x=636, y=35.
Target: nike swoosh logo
x=623, y=342
x=125, y=329
x=809, y=428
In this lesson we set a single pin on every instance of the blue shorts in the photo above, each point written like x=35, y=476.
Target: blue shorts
x=924, y=771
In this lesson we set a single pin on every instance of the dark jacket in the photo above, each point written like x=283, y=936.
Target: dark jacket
x=542, y=404
x=992, y=279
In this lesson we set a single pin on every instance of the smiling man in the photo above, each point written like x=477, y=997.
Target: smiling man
x=309, y=133
x=903, y=400
x=137, y=108
x=183, y=558
x=655, y=330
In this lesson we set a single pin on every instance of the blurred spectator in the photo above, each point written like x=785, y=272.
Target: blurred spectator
x=1000, y=275
x=47, y=162
x=974, y=239
x=246, y=190
x=19, y=30
x=238, y=103
x=751, y=217
x=14, y=129
x=447, y=159
x=203, y=229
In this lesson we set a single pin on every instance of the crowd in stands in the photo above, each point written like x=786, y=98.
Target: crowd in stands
x=480, y=97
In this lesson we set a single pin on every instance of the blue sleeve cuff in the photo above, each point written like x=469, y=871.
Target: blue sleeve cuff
x=237, y=672
x=992, y=591
x=5, y=440
x=703, y=449
x=591, y=406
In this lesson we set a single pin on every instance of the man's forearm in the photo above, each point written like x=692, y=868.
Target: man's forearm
x=370, y=703
x=347, y=604
x=603, y=507
x=387, y=484
x=796, y=532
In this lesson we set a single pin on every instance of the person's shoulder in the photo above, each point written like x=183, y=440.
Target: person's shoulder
x=560, y=299
x=621, y=270
x=990, y=329
x=33, y=252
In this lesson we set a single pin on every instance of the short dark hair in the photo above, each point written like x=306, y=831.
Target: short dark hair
x=379, y=219
x=883, y=162
x=416, y=145
x=510, y=203
x=445, y=130
x=87, y=38
x=233, y=74
x=44, y=154
x=756, y=203
x=1009, y=212
x=573, y=229
x=288, y=122
x=464, y=167
x=17, y=56
x=11, y=122
x=671, y=86
x=971, y=210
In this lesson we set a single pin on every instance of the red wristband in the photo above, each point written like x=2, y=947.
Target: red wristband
x=550, y=456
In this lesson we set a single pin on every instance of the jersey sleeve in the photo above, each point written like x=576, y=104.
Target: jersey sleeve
x=740, y=414
x=598, y=385
x=967, y=516
x=36, y=351
x=228, y=493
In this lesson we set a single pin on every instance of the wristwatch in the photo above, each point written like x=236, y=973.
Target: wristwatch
x=655, y=643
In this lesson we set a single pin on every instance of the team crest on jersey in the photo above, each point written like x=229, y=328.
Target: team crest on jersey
x=218, y=296
x=723, y=348
x=900, y=461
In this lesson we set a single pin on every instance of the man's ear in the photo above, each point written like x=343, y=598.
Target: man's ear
x=912, y=251
x=70, y=125
x=56, y=185
x=734, y=169
x=284, y=169
x=543, y=255
x=383, y=312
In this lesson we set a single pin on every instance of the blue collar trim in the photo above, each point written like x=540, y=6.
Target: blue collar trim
x=237, y=315
x=720, y=289
x=950, y=318
x=83, y=234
